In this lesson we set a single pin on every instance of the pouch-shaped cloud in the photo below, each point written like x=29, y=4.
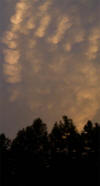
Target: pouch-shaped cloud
x=43, y=25
x=63, y=25
x=94, y=38
x=12, y=56
x=51, y=54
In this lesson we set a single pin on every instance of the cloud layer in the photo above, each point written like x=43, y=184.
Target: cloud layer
x=51, y=61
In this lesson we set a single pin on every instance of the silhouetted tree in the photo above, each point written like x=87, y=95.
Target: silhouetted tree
x=64, y=135
x=4, y=148
x=91, y=147
x=4, y=143
x=30, y=150
x=31, y=139
x=89, y=136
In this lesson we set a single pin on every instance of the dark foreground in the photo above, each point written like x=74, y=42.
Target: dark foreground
x=63, y=157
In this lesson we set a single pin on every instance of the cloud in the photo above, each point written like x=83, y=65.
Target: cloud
x=43, y=26
x=62, y=27
x=93, y=43
x=44, y=7
x=12, y=73
x=21, y=8
x=12, y=56
x=51, y=59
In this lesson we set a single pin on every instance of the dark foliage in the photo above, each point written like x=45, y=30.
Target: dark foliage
x=63, y=157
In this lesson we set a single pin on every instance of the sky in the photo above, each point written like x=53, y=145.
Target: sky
x=49, y=62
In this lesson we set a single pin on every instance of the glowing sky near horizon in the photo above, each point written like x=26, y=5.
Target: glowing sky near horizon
x=49, y=62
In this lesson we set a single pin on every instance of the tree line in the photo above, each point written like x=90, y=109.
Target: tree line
x=64, y=156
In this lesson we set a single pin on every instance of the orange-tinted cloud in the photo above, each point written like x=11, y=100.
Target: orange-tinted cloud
x=51, y=58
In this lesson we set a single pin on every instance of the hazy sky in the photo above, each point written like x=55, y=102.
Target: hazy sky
x=49, y=62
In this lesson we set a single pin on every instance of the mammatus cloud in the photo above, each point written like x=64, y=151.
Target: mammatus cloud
x=94, y=38
x=51, y=55
x=40, y=32
x=62, y=27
